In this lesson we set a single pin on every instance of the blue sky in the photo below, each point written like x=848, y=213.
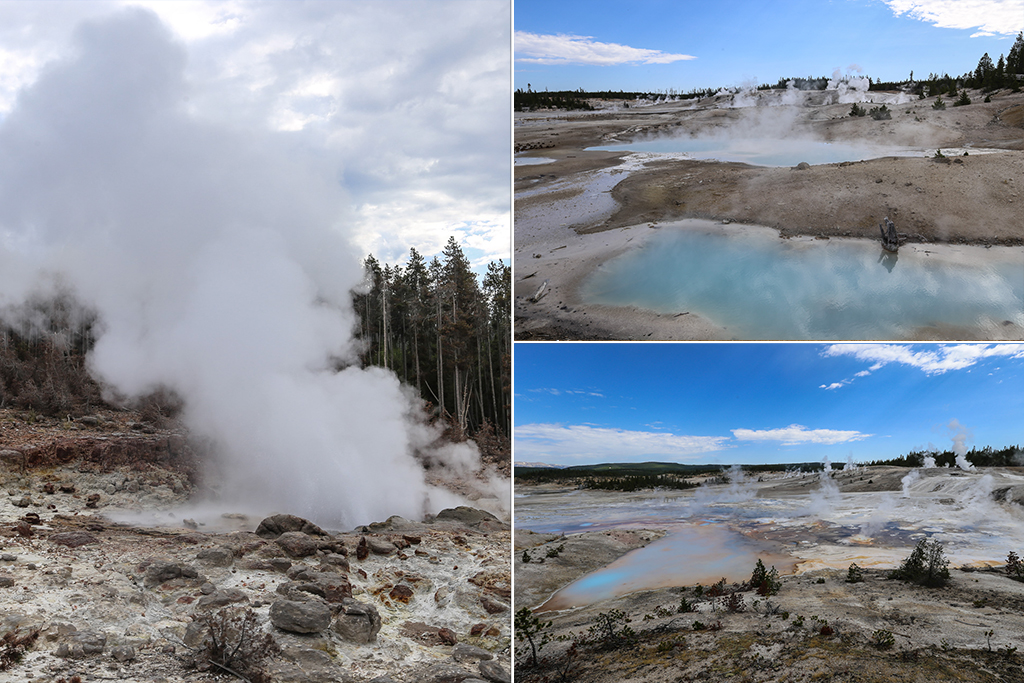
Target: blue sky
x=761, y=403
x=655, y=45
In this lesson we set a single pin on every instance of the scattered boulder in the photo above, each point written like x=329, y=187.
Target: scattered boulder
x=471, y=517
x=357, y=622
x=447, y=636
x=470, y=653
x=123, y=653
x=6, y=581
x=300, y=617
x=162, y=571
x=330, y=586
x=492, y=606
x=83, y=644
x=73, y=539
x=401, y=593
x=494, y=672
x=444, y=673
x=216, y=557
x=275, y=525
x=222, y=598
x=297, y=544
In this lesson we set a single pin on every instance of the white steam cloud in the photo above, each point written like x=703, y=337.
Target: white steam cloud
x=219, y=266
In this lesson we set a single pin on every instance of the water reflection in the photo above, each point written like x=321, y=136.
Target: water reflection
x=888, y=259
x=757, y=286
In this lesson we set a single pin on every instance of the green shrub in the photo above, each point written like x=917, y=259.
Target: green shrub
x=963, y=100
x=612, y=631
x=1014, y=567
x=857, y=110
x=530, y=631
x=938, y=103
x=880, y=113
x=765, y=581
x=926, y=565
x=883, y=639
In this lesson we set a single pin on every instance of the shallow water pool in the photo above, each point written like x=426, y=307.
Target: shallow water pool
x=758, y=286
x=762, y=151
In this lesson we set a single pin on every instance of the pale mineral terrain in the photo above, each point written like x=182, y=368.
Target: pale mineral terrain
x=98, y=560
x=583, y=207
x=819, y=626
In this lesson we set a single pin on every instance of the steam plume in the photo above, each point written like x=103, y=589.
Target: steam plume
x=218, y=267
x=960, y=434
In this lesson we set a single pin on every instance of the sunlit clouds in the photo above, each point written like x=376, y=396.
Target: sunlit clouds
x=536, y=48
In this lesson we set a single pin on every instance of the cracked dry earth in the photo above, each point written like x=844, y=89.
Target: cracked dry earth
x=398, y=600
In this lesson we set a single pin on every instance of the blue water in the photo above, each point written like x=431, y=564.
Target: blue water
x=761, y=152
x=758, y=286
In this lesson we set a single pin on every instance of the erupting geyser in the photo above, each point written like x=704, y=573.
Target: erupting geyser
x=219, y=266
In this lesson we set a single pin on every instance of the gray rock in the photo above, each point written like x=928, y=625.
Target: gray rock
x=494, y=672
x=332, y=587
x=222, y=598
x=123, y=653
x=443, y=673
x=6, y=581
x=297, y=544
x=83, y=644
x=162, y=571
x=300, y=617
x=216, y=557
x=469, y=653
x=357, y=622
x=468, y=516
x=73, y=539
x=275, y=525
x=380, y=547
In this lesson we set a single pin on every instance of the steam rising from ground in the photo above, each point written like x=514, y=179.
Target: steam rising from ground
x=219, y=267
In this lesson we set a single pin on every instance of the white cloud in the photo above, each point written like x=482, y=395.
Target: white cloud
x=573, y=444
x=990, y=17
x=834, y=385
x=932, y=360
x=407, y=101
x=569, y=49
x=795, y=434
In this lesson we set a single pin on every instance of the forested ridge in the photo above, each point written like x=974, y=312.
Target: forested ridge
x=435, y=324
x=445, y=332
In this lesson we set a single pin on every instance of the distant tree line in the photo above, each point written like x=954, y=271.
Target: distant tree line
x=43, y=343
x=444, y=332
x=1011, y=456
x=636, y=483
x=988, y=76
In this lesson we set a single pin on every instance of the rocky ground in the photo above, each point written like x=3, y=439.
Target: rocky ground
x=397, y=600
x=588, y=206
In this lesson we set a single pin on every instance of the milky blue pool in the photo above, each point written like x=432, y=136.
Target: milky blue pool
x=758, y=286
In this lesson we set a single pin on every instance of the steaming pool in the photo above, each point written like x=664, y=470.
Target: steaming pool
x=797, y=524
x=757, y=286
x=761, y=151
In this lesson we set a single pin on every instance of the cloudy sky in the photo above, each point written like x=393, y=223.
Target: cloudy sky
x=761, y=403
x=654, y=45
x=406, y=102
